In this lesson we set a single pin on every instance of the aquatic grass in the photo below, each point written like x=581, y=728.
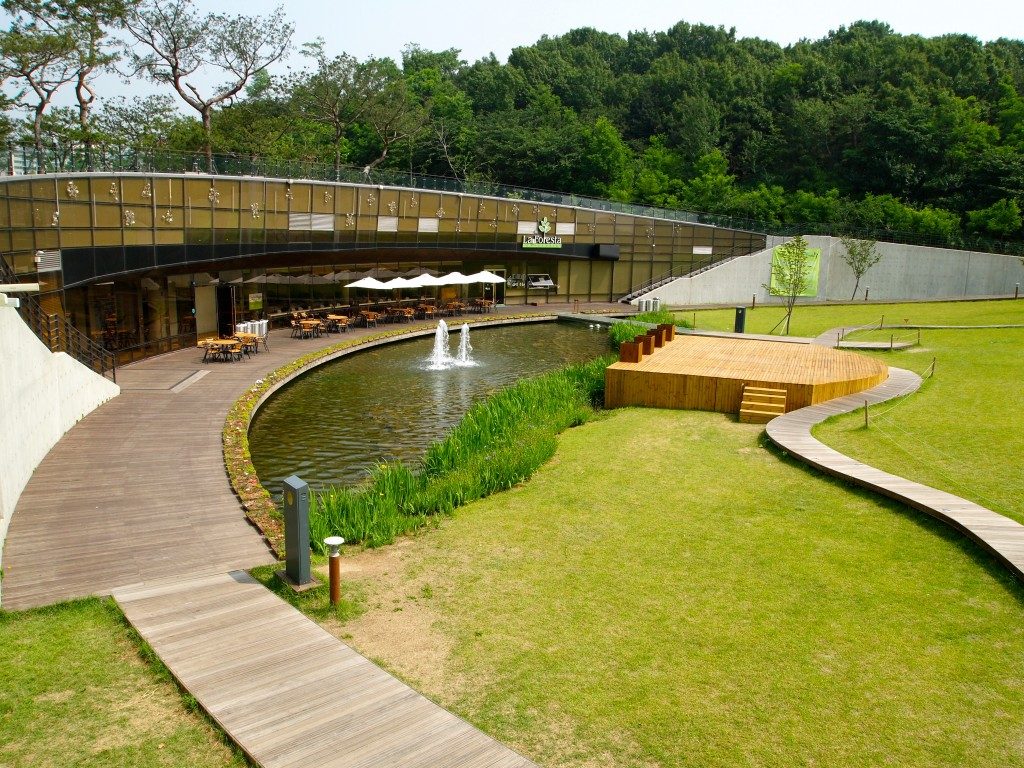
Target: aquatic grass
x=500, y=442
x=625, y=331
x=659, y=316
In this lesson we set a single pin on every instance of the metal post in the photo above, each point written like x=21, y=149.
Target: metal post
x=753, y=301
x=866, y=290
x=334, y=570
x=296, y=530
x=1016, y=291
x=865, y=414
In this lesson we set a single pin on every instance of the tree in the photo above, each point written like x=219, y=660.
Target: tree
x=1001, y=219
x=177, y=43
x=338, y=93
x=87, y=24
x=397, y=115
x=44, y=61
x=860, y=256
x=790, y=274
x=143, y=122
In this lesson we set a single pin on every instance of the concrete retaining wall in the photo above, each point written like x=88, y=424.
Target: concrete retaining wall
x=42, y=395
x=904, y=272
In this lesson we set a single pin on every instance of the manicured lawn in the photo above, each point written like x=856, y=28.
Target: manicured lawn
x=75, y=691
x=961, y=432
x=669, y=592
x=812, y=320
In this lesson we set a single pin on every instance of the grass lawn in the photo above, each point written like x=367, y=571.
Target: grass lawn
x=961, y=432
x=669, y=592
x=76, y=691
x=812, y=320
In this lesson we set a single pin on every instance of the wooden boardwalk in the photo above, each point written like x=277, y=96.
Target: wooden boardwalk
x=833, y=337
x=792, y=432
x=288, y=692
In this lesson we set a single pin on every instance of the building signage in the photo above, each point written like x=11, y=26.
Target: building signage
x=255, y=301
x=543, y=240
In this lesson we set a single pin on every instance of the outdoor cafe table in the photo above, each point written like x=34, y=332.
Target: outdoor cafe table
x=218, y=348
x=310, y=328
x=337, y=322
x=250, y=340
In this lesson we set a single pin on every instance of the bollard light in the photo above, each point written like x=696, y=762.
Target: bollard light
x=335, y=542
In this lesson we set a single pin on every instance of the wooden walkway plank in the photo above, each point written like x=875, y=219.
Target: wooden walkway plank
x=792, y=432
x=289, y=693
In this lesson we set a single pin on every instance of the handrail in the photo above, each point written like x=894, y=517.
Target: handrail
x=27, y=159
x=59, y=335
x=685, y=270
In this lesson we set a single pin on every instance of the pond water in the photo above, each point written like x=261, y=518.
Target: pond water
x=335, y=423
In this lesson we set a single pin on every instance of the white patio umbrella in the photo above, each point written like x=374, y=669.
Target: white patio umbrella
x=399, y=282
x=310, y=279
x=487, y=277
x=368, y=282
x=425, y=281
x=456, y=278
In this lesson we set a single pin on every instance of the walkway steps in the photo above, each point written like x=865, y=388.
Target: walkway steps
x=289, y=693
x=761, y=404
x=1000, y=535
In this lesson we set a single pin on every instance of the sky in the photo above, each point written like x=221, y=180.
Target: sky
x=478, y=29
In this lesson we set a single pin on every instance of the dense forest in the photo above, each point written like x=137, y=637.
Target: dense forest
x=864, y=129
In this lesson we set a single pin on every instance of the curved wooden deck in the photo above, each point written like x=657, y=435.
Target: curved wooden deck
x=792, y=432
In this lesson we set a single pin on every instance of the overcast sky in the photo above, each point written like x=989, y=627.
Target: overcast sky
x=478, y=29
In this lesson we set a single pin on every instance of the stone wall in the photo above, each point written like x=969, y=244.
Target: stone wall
x=42, y=395
x=904, y=272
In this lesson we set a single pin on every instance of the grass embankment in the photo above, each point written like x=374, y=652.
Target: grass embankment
x=668, y=592
x=961, y=433
x=812, y=320
x=76, y=691
x=501, y=441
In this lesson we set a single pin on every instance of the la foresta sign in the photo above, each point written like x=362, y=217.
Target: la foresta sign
x=542, y=240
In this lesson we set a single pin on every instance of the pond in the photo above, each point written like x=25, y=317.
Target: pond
x=335, y=423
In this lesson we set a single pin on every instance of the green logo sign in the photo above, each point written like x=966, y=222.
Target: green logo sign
x=543, y=240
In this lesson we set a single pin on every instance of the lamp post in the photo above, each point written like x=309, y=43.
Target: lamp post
x=335, y=542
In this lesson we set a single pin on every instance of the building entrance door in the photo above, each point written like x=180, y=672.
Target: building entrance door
x=495, y=291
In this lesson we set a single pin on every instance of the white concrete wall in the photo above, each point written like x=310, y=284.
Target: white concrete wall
x=904, y=272
x=42, y=395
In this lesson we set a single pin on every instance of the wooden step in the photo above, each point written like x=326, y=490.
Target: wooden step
x=757, y=397
x=756, y=417
x=761, y=404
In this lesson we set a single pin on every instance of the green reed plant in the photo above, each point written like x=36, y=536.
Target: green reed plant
x=658, y=317
x=500, y=442
x=625, y=331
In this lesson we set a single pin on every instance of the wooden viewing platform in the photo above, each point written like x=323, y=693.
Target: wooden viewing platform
x=709, y=374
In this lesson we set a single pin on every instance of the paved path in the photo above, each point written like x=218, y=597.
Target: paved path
x=792, y=432
x=288, y=692
x=833, y=337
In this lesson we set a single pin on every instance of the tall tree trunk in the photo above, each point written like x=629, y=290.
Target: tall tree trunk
x=37, y=132
x=86, y=96
x=208, y=139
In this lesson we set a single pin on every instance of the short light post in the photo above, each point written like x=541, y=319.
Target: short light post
x=335, y=542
